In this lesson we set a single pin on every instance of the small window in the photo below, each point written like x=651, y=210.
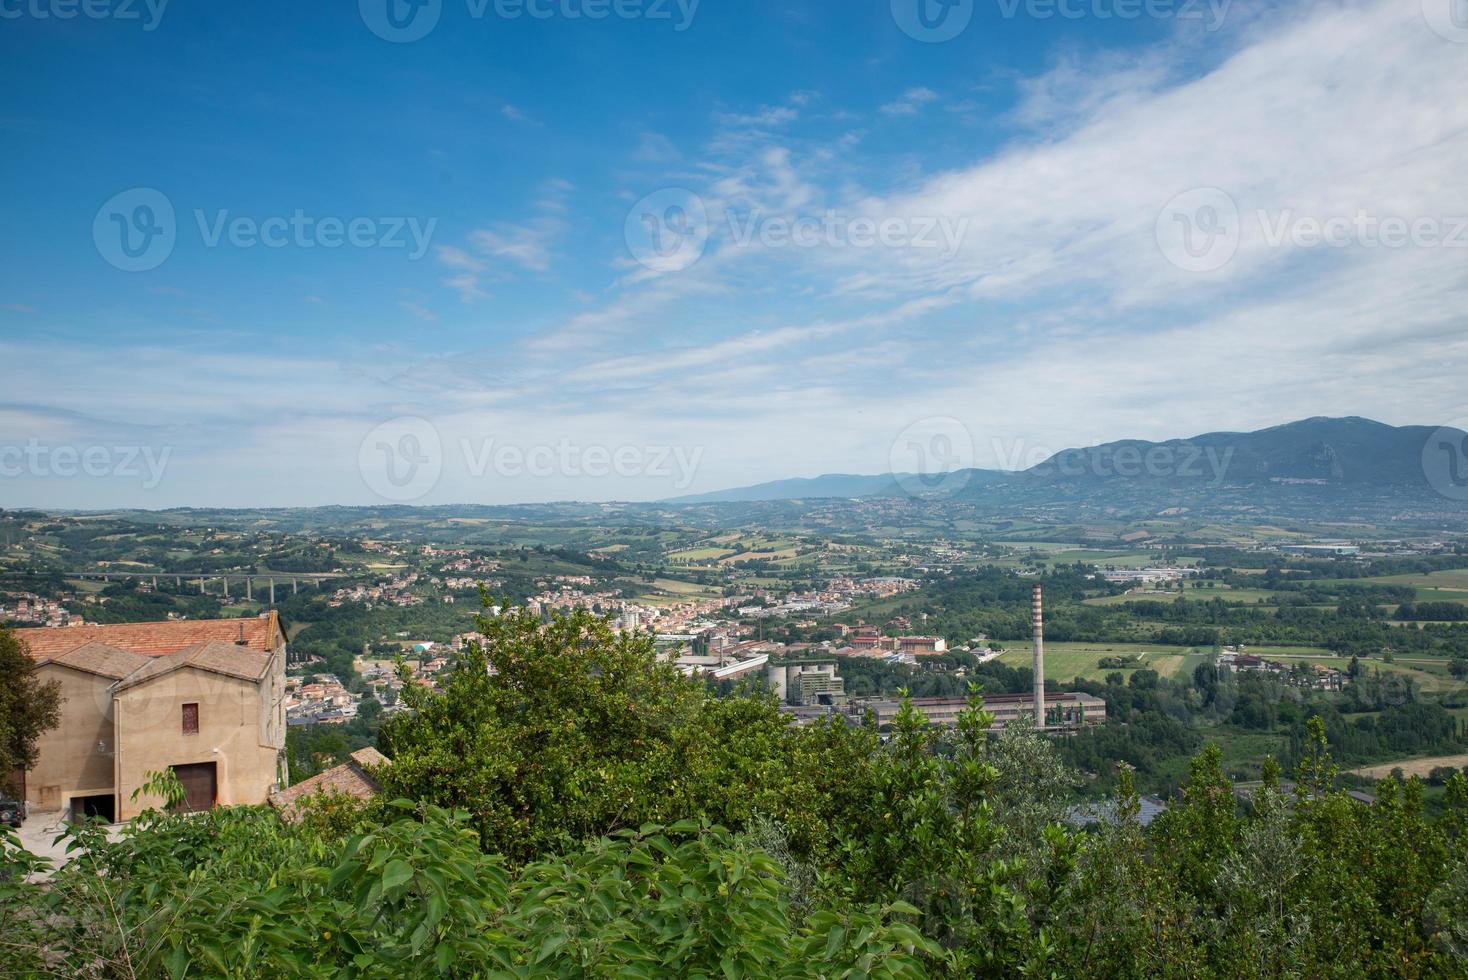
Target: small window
x=191, y=719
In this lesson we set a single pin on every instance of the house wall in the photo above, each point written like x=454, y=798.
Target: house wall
x=75, y=757
x=240, y=731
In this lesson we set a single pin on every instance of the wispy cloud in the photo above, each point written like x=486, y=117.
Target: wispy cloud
x=911, y=102
x=418, y=310
x=765, y=118
x=528, y=245
x=1058, y=320
x=467, y=285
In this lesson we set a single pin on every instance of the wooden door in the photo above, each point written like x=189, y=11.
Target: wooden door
x=201, y=788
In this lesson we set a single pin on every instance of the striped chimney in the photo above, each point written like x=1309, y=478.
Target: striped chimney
x=1037, y=614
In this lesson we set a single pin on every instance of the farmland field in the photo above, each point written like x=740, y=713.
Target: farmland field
x=1431, y=676
x=1449, y=585
x=1064, y=661
x=699, y=554
x=1310, y=653
x=1162, y=593
x=667, y=591
x=1411, y=767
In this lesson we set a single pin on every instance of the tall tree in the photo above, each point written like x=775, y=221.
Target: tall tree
x=29, y=707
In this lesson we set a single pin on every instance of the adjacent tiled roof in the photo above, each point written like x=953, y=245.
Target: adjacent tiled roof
x=219, y=658
x=369, y=757
x=350, y=777
x=99, y=658
x=260, y=633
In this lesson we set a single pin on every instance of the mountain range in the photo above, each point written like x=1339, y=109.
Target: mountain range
x=1323, y=456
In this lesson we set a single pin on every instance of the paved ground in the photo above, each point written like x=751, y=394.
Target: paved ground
x=40, y=831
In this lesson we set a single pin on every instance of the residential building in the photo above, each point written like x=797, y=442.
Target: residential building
x=204, y=698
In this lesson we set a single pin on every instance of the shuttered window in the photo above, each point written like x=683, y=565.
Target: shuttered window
x=191, y=719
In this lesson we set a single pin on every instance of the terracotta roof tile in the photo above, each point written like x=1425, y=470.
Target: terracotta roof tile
x=261, y=633
x=350, y=778
x=219, y=658
x=369, y=757
x=99, y=658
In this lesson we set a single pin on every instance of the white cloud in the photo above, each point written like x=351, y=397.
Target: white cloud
x=525, y=245
x=911, y=102
x=764, y=118
x=418, y=310
x=467, y=286
x=457, y=258
x=1058, y=322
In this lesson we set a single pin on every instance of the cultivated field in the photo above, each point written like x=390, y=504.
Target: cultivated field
x=1064, y=661
x=1450, y=585
x=1411, y=767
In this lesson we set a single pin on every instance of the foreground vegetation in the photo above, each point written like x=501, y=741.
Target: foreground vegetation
x=586, y=810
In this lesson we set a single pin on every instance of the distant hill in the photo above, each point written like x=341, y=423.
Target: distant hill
x=1326, y=451
x=843, y=485
x=829, y=485
x=1330, y=455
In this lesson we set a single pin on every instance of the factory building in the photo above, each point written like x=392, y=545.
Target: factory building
x=805, y=681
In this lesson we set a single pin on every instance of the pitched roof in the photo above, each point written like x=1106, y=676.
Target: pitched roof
x=369, y=757
x=261, y=633
x=101, y=659
x=351, y=778
x=219, y=658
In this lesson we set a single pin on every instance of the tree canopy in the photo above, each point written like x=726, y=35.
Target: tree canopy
x=569, y=805
x=29, y=707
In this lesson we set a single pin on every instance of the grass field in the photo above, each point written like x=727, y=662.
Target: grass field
x=667, y=591
x=1449, y=585
x=1286, y=652
x=1431, y=676
x=1162, y=594
x=1201, y=590
x=1064, y=661
x=1051, y=552
x=757, y=555
x=680, y=587
x=700, y=554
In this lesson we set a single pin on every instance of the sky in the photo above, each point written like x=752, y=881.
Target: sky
x=499, y=251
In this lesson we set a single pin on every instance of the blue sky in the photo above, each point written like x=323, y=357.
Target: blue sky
x=651, y=239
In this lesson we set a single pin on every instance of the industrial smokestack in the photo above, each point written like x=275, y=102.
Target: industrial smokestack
x=1037, y=614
